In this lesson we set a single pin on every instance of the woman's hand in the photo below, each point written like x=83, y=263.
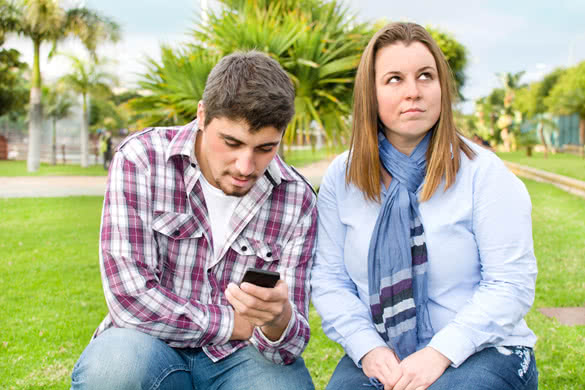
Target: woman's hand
x=382, y=364
x=422, y=369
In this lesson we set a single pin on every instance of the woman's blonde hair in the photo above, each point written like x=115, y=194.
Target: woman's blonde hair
x=443, y=155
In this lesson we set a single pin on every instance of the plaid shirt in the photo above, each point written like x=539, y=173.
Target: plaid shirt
x=158, y=269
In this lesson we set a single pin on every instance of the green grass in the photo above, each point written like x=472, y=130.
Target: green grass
x=301, y=158
x=561, y=163
x=298, y=158
x=18, y=168
x=52, y=299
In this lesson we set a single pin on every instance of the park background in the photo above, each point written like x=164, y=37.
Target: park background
x=120, y=66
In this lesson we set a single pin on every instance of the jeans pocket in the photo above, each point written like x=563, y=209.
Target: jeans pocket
x=523, y=362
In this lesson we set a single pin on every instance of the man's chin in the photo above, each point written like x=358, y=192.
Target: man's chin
x=235, y=191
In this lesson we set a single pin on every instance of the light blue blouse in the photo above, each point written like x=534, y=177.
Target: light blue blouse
x=482, y=269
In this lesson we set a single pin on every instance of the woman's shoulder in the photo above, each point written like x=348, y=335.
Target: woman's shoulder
x=338, y=165
x=482, y=158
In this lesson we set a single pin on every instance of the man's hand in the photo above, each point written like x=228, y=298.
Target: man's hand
x=422, y=369
x=243, y=329
x=268, y=308
x=382, y=364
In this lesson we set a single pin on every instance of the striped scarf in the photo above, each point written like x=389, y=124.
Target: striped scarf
x=397, y=257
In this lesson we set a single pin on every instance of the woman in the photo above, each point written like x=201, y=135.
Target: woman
x=425, y=265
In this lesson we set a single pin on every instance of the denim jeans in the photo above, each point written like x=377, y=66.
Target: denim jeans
x=502, y=368
x=127, y=359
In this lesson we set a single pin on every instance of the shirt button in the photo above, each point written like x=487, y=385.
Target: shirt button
x=193, y=165
x=176, y=233
x=269, y=254
x=244, y=248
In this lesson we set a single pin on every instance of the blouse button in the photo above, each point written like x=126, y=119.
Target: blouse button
x=244, y=248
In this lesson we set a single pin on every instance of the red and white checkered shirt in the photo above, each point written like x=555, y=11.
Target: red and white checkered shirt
x=159, y=272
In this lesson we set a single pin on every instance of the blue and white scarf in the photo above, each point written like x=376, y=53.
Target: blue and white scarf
x=397, y=258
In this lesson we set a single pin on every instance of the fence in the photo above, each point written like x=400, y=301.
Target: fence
x=66, y=153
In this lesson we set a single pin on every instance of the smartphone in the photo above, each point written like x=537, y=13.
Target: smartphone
x=261, y=277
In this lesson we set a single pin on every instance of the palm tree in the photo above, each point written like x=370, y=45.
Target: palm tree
x=510, y=82
x=172, y=88
x=317, y=43
x=87, y=79
x=58, y=103
x=47, y=21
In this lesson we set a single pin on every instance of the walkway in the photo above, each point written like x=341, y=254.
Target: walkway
x=58, y=186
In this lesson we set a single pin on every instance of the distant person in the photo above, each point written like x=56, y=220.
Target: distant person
x=425, y=265
x=106, y=148
x=187, y=211
x=481, y=142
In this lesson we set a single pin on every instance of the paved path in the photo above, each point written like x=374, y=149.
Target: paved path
x=58, y=186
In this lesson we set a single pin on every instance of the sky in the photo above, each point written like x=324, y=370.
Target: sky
x=500, y=36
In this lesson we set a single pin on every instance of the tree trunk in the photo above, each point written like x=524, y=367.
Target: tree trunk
x=506, y=138
x=36, y=114
x=542, y=139
x=84, y=136
x=54, y=144
x=582, y=135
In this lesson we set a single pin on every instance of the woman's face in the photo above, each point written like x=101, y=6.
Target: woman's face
x=408, y=93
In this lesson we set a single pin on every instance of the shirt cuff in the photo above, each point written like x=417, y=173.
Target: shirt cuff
x=359, y=344
x=452, y=343
x=220, y=326
x=266, y=342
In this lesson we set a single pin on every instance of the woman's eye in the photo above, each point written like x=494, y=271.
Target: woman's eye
x=393, y=79
x=425, y=76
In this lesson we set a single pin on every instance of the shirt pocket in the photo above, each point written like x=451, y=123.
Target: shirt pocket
x=176, y=226
x=247, y=252
x=178, y=237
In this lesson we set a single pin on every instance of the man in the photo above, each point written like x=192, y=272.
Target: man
x=187, y=210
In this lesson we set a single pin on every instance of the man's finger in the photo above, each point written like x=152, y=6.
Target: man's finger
x=275, y=294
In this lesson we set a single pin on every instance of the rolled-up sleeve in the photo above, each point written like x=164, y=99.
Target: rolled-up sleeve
x=295, y=265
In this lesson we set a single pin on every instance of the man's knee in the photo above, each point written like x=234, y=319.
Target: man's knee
x=257, y=373
x=125, y=359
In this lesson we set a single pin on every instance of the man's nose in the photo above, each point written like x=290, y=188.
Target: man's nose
x=245, y=164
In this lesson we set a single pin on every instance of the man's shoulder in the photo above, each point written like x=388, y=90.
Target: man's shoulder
x=291, y=177
x=149, y=138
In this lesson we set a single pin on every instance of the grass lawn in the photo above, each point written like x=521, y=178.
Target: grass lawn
x=298, y=158
x=52, y=299
x=18, y=168
x=561, y=163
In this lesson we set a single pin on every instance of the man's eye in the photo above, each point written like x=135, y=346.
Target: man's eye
x=232, y=144
x=266, y=149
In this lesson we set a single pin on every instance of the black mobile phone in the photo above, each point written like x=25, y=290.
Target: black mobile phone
x=261, y=277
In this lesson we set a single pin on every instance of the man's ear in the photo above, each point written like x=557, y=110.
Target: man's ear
x=200, y=115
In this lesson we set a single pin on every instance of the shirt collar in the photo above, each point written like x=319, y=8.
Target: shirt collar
x=183, y=142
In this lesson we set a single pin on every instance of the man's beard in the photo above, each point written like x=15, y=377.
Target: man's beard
x=235, y=191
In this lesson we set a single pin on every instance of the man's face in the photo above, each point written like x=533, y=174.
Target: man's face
x=231, y=157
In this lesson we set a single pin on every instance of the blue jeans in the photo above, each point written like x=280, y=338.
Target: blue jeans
x=504, y=368
x=127, y=359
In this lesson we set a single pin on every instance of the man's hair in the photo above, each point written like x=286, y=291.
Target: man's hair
x=443, y=158
x=249, y=86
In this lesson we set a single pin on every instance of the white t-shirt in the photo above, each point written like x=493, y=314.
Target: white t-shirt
x=220, y=207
